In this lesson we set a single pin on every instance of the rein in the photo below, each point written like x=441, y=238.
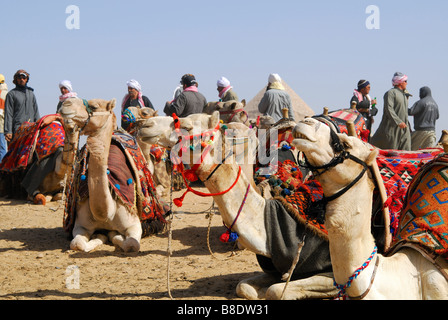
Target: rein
x=233, y=113
x=191, y=173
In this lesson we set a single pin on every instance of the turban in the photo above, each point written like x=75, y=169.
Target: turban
x=2, y=78
x=66, y=84
x=223, y=82
x=135, y=85
x=399, y=78
x=363, y=84
x=19, y=73
x=273, y=77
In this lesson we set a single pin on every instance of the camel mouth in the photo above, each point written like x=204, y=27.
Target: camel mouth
x=303, y=136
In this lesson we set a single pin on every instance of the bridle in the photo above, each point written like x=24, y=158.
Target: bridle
x=191, y=174
x=340, y=156
x=92, y=114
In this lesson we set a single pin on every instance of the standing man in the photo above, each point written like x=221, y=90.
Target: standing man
x=3, y=93
x=225, y=90
x=275, y=99
x=393, y=131
x=190, y=101
x=20, y=105
x=364, y=104
x=425, y=113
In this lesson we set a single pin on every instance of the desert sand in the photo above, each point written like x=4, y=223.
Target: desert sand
x=37, y=263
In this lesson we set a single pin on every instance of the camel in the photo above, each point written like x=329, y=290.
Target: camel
x=52, y=185
x=101, y=210
x=348, y=187
x=230, y=111
x=248, y=221
x=132, y=118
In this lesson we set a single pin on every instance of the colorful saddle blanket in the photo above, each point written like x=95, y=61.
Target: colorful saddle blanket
x=129, y=178
x=295, y=195
x=29, y=138
x=424, y=219
x=398, y=168
x=339, y=119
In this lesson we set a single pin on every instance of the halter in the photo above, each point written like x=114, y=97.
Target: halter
x=233, y=113
x=343, y=155
x=91, y=114
x=191, y=173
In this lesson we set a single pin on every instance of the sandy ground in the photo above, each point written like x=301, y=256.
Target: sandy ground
x=36, y=261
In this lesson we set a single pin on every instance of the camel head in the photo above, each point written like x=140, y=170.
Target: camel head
x=133, y=116
x=324, y=148
x=157, y=130
x=230, y=111
x=89, y=116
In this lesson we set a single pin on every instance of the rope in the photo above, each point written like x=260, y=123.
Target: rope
x=342, y=294
x=170, y=236
x=293, y=266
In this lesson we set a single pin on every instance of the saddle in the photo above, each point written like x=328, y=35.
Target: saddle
x=131, y=183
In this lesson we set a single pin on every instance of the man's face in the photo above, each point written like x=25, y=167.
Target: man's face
x=365, y=90
x=132, y=92
x=22, y=80
x=403, y=85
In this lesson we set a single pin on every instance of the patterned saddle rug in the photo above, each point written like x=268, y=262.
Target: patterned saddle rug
x=129, y=179
x=397, y=169
x=29, y=138
x=296, y=195
x=424, y=219
x=339, y=118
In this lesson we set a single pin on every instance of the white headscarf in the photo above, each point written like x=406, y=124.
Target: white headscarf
x=273, y=77
x=223, y=82
x=135, y=85
x=66, y=84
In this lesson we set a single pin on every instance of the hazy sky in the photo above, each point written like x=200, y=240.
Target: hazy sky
x=320, y=48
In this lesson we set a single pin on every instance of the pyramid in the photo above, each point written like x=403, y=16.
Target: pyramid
x=301, y=109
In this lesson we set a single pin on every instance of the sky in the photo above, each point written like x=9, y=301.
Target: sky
x=321, y=48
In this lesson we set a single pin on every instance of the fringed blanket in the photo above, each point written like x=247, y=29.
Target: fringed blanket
x=284, y=233
x=129, y=178
x=29, y=138
x=398, y=168
x=424, y=219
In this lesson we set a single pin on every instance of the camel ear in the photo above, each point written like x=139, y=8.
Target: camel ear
x=243, y=102
x=372, y=157
x=156, y=114
x=214, y=120
x=111, y=104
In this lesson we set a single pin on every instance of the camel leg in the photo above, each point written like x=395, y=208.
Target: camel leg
x=320, y=286
x=81, y=240
x=128, y=243
x=255, y=288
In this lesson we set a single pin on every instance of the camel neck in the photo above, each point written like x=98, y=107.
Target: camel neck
x=250, y=223
x=349, y=231
x=100, y=198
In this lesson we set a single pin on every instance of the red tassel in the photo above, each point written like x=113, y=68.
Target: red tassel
x=225, y=237
x=179, y=201
x=190, y=175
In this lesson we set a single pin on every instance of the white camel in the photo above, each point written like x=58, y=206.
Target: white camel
x=248, y=220
x=404, y=275
x=101, y=210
